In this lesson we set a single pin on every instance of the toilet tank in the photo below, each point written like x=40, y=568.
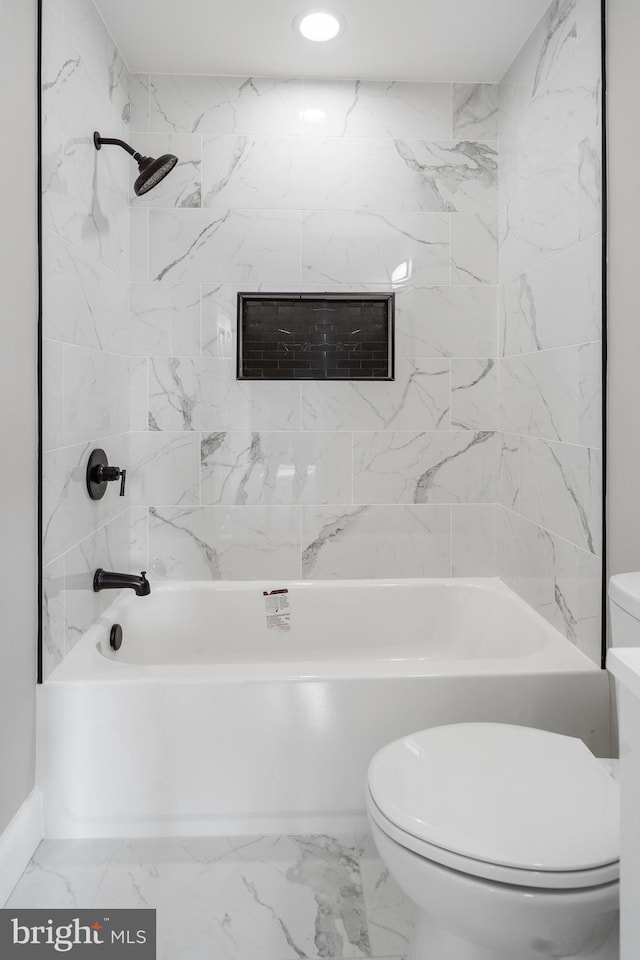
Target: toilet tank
x=624, y=604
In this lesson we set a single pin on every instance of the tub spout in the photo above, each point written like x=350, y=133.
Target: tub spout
x=107, y=580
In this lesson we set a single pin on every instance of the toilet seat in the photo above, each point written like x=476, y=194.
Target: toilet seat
x=508, y=803
x=535, y=879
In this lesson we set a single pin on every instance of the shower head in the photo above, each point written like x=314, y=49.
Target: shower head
x=151, y=171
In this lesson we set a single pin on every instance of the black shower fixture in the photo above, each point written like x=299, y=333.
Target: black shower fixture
x=151, y=171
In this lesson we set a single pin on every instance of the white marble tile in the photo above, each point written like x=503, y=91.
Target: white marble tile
x=138, y=538
x=219, y=312
x=589, y=612
x=165, y=319
x=53, y=389
x=548, y=47
x=390, y=916
x=138, y=244
x=446, y=321
x=392, y=467
x=63, y=874
x=508, y=480
x=203, y=394
x=541, y=568
x=475, y=530
x=164, y=469
x=138, y=393
x=53, y=622
x=70, y=96
x=561, y=489
x=85, y=302
x=182, y=187
x=88, y=34
x=418, y=399
x=512, y=97
x=139, y=102
x=375, y=247
x=589, y=11
x=539, y=394
x=286, y=468
x=99, y=222
x=219, y=317
x=556, y=304
x=375, y=541
x=68, y=172
x=69, y=516
x=361, y=108
x=96, y=394
x=542, y=220
x=225, y=542
x=474, y=394
x=475, y=111
x=280, y=173
x=474, y=248
x=566, y=106
x=276, y=897
x=108, y=548
x=590, y=394
x=590, y=184
x=279, y=898
x=439, y=176
x=509, y=161
x=251, y=246
x=213, y=105
x=64, y=520
x=85, y=195
x=52, y=8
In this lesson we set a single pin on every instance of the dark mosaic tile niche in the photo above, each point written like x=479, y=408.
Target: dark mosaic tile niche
x=319, y=336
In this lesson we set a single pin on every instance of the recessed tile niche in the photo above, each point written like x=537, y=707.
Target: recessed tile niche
x=319, y=336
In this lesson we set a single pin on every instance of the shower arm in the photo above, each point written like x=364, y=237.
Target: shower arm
x=98, y=141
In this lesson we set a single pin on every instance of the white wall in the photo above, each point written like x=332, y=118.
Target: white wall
x=18, y=408
x=623, y=506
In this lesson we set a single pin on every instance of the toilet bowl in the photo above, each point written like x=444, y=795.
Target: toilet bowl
x=506, y=839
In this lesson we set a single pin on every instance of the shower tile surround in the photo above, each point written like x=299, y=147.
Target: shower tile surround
x=477, y=205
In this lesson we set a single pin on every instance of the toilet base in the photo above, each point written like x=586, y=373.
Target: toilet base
x=431, y=942
x=436, y=943
x=496, y=921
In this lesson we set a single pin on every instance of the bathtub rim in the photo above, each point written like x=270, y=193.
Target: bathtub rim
x=86, y=663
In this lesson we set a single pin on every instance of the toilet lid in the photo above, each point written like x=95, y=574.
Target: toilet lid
x=503, y=794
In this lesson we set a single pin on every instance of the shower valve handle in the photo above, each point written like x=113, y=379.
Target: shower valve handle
x=99, y=473
x=111, y=473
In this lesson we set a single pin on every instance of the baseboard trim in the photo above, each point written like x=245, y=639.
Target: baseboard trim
x=19, y=842
x=332, y=824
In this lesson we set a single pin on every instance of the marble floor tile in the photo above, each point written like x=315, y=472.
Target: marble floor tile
x=390, y=916
x=63, y=874
x=233, y=898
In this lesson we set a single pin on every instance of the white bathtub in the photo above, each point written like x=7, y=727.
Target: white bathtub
x=209, y=721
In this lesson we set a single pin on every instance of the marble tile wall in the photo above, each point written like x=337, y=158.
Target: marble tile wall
x=86, y=348
x=549, y=368
x=315, y=186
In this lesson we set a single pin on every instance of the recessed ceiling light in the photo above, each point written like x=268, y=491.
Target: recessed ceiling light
x=319, y=26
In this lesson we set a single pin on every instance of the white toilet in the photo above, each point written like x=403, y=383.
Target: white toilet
x=506, y=838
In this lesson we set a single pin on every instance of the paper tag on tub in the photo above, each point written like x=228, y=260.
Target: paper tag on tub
x=277, y=610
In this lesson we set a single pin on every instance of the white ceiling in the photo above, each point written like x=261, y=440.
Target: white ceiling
x=465, y=41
